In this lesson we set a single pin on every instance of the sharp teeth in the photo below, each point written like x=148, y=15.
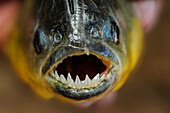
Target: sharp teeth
x=52, y=73
x=103, y=77
x=109, y=76
x=56, y=75
x=49, y=79
x=78, y=82
x=96, y=79
x=87, y=52
x=87, y=81
x=62, y=78
x=69, y=79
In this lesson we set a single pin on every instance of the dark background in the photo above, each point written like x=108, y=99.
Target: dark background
x=146, y=91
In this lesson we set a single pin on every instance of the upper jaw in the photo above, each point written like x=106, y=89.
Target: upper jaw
x=57, y=56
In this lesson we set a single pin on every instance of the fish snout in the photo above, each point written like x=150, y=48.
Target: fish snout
x=77, y=40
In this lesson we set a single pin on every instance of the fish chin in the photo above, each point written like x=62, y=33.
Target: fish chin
x=69, y=78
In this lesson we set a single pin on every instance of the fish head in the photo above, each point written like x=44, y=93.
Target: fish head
x=81, y=47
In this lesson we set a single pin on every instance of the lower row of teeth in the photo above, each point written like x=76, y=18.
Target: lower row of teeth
x=87, y=83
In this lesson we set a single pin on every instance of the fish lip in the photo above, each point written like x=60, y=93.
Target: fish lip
x=51, y=87
x=79, y=94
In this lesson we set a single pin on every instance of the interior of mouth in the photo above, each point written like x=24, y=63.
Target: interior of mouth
x=82, y=65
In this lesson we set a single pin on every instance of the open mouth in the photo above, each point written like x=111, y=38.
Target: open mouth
x=81, y=77
x=81, y=65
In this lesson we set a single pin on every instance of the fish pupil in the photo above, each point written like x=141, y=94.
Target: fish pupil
x=95, y=31
x=57, y=37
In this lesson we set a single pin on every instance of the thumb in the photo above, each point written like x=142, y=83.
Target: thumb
x=8, y=14
x=147, y=12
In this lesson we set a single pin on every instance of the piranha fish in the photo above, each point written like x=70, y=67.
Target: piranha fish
x=75, y=50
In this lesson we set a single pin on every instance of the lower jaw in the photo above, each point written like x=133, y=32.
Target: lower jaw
x=81, y=94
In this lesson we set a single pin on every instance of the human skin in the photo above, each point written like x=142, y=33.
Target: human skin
x=146, y=11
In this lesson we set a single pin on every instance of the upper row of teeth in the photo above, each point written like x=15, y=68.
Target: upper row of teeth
x=87, y=83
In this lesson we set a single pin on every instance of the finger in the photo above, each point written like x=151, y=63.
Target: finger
x=8, y=14
x=147, y=12
x=106, y=101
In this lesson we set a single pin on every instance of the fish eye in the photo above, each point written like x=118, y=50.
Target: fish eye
x=39, y=41
x=57, y=36
x=95, y=31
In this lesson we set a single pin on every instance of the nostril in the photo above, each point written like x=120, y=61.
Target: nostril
x=77, y=43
